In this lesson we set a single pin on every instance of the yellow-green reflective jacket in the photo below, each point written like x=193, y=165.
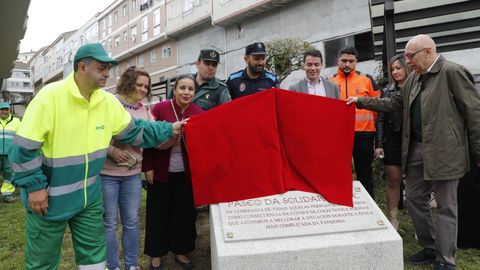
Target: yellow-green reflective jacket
x=9, y=127
x=62, y=143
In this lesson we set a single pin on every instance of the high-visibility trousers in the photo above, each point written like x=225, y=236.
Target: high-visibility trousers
x=44, y=239
x=7, y=188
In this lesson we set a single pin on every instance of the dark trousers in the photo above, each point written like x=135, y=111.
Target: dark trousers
x=468, y=202
x=441, y=235
x=362, y=158
x=170, y=217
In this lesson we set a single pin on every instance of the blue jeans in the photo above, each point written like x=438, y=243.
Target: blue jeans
x=124, y=192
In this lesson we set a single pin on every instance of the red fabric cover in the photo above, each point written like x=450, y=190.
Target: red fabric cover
x=269, y=143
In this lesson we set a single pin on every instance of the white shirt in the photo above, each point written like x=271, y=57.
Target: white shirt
x=316, y=88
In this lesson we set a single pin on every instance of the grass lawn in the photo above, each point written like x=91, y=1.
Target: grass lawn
x=12, y=240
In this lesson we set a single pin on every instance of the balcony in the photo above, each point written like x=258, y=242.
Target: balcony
x=185, y=16
x=225, y=13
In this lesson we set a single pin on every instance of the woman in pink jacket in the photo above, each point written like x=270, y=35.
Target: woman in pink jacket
x=121, y=175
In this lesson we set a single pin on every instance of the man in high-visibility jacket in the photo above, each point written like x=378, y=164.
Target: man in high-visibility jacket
x=353, y=83
x=9, y=127
x=58, y=152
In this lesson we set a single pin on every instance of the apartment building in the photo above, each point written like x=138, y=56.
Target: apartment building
x=133, y=32
x=87, y=33
x=17, y=90
x=233, y=24
x=25, y=56
x=47, y=64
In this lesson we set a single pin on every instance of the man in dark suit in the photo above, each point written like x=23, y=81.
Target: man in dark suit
x=313, y=83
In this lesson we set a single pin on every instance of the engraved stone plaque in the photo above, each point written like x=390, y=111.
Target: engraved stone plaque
x=297, y=213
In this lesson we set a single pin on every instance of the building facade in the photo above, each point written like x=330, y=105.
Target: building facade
x=165, y=36
x=133, y=32
x=18, y=90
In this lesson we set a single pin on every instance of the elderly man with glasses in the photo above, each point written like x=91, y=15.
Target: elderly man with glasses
x=441, y=124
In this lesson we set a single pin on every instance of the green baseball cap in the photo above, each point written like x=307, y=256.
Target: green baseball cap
x=4, y=105
x=95, y=51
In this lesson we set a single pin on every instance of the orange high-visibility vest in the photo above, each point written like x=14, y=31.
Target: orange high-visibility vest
x=358, y=85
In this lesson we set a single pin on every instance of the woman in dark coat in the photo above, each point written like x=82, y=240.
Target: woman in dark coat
x=170, y=222
x=389, y=137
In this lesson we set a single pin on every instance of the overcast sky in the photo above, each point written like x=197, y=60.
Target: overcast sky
x=47, y=19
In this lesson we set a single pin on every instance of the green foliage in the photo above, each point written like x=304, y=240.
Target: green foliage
x=380, y=75
x=286, y=55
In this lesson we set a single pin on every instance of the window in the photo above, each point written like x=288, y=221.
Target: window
x=223, y=1
x=109, y=30
x=58, y=62
x=141, y=60
x=92, y=32
x=134, y=5
x=109, y=44
x=117, y=41
x=133, y=33
x=156, y=22
x=125, y=36
x=166, y=51
x=153, y=56
x=173, y=10
x=200, y=2
x=146, y=4
x=144, y=28
x=362, y=42
x=117, y=71
x=104, y=28
x=115, y=16
x=187, y=5
x=124, y=10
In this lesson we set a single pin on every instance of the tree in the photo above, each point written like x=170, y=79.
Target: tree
x=285, y=56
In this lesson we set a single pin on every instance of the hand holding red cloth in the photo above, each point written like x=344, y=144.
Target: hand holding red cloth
x=269, y=143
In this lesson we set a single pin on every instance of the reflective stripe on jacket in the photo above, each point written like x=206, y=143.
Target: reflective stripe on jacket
x=358, y=85
x=9, y=128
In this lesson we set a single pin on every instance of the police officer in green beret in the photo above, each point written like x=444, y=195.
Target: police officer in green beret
x=211, y=91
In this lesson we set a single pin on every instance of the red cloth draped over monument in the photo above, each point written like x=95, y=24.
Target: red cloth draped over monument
x=269, y=143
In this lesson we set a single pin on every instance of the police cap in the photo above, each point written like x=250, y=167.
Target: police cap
x=209, y=55
x=257, y=48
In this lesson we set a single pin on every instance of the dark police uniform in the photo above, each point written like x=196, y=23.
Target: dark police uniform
x=211, y=94
x=239, y=84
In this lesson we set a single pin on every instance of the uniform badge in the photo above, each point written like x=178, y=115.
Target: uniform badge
x=206, y=96
x=213, y=54
x=259, y=45
x=242, y=87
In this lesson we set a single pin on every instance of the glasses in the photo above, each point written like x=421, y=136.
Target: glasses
x=411, y=55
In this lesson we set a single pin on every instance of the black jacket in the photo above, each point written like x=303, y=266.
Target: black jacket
x=390, y=120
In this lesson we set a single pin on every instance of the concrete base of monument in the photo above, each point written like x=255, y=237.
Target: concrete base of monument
x=301, y=230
